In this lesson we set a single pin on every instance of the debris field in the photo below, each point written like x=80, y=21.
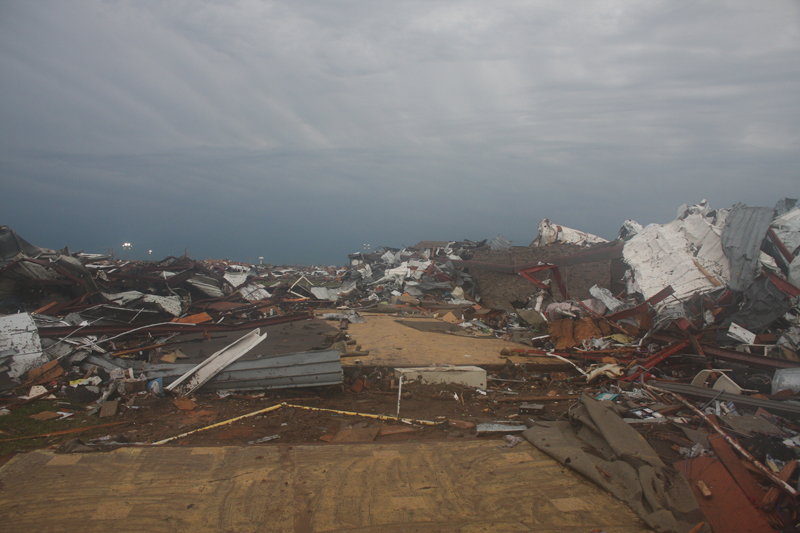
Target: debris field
x=663, y=366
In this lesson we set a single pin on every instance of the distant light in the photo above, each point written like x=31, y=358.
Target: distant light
x=150, y=252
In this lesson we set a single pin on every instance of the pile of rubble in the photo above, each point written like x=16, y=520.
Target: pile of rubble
x=686, y=333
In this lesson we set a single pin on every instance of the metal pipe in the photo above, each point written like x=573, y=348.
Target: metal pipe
x=399, y=392
x=218, y=424
x=378, y=417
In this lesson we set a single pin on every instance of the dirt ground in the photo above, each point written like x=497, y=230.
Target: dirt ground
x=392, y=343
x=143, y=418
x=148, y=419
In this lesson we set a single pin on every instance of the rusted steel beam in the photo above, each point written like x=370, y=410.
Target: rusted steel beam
x=642, y=307
x=527, y=273
x=783, y=285
x=657, y=358
x=758, y=361
x=785, y=252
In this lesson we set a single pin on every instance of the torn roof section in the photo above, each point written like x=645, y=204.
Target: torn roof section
x=12, y=246
x=686, y=254
x=500, y=243
x=744, y=231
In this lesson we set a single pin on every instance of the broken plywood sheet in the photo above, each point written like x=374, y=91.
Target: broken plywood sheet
x=561, y=333
x=168, y=304
x=448, y=486
x=585, y=329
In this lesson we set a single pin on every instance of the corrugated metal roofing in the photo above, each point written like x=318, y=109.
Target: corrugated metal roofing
x=744, y=231
x=306, y=369
x=500, y=243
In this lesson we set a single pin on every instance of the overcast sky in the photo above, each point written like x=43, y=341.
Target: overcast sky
x=299, y=131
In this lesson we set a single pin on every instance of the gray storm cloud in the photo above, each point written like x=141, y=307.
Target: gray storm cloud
x=300, y=130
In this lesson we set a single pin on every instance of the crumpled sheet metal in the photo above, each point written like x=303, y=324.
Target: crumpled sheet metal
x=20, y=346
x=168, y=304
x=12, y=246
x=332, y=294
x=558, y=309
x=236, y=279
x=762, y=304
x=550, y=233
x=669, y=254
x=605, y=296
x=254, y=292
x=794, y=272
x=605, y=449
x=787, y=228
x=744, y=231
x=500, y=243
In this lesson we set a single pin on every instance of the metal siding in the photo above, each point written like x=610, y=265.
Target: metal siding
x=744, y=231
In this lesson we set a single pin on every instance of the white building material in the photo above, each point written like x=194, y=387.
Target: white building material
x=197, y=376
x=470, y=376
x=550, y=233
x=20, y=347
x=677, y=254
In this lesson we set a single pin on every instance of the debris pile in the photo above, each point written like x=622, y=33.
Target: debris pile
x=663, y=366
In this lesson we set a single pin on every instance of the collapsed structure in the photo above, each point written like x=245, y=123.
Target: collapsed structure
x=686, y=332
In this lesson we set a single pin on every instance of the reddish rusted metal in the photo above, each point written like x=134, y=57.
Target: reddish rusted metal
x=783, y=285
x=644, y=306
x=528, y=272
x=657, y=358
x=780, y=246
x=758, y=361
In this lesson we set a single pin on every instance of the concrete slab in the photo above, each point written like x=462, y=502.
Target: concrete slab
x=469, y=376
x=466, y=486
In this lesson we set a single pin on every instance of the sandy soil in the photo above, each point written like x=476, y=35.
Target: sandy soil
x=393, y=344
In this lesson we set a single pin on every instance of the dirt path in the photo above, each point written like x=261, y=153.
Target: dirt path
x=391, y=343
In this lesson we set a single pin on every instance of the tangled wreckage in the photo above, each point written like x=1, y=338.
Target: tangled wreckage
x=662, y=366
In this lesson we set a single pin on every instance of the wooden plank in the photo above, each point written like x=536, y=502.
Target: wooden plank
x=199, y=318
x=769, y=501
x=46, y=308
x=704, y=490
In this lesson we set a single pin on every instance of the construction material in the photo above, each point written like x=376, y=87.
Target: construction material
x=209, y=368
x=469, y=376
